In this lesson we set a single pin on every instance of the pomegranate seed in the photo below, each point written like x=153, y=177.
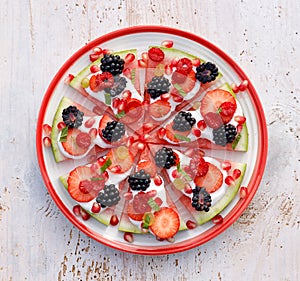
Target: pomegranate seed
x=161, y=133
x=47, y=141
x=171, y=239
x=89, y=123
x=157, y=180
x=94, y=57
x=127, y=95
x=105, y=175
x=127, y=73
x=107, y=51
x=130, y=141
x=196, y=62
x=47, y=129
x=188, y=189
x=61, y=125
x=97, y=51
x=226, y=166
x=76, y=210
x=114, y=220
x=93, y=133
x=128, y=237
x=196, y=132
x=116, y=169
x=167, y=43
x=201, y=125
x=236, y=173
x=229, y=180
x=175, y=173
x=243, y=192
x=85, y=215
x=148, y=126
x=145, y=56
x=178, y=98
x=165, y=97
x=240, y=119
x=218, y=219
x=122, y=105
x=243, y=86
x=68, y=79
x=158, y=201
x=239, y=128
x=94, y=68
x=96, y=208
x=142, y=63
x=128, y=196
x=168, y=70
x=115, y=102
x=140, y=146
x=129, y=58
x=174, y=62
x=152, y=193
x=101, y=161
x=191, y=224
x=234, y=88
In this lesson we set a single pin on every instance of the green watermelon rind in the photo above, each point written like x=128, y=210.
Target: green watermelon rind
x=203, y=217
x=76, y=81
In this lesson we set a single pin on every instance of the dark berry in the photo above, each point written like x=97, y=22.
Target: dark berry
x=206, y=72
x=109, y=196
x=165, y=158
x=225, y=134
x=183, y=121
x=72, y=117
x=118, y=87
x=139, y=181
x=113, y=131
x=201, y=199
x=157, y=86
x=112, y=63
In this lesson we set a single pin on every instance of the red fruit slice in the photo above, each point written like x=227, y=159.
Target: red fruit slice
x=184, y=66
x=189, y=82
x=227, y=110
x=159, y=108
x=121, y=162
x=213, y=120
x=171, y=133
x=140, y=202
x=166, y=223
x=149, y=167
x=101, y=81
x=212, y=181
x=156, y=54
x=133, y=214
x=83, y=140
x=84, y=184
x=213, y=100
x=71, y=146
x=133, y=111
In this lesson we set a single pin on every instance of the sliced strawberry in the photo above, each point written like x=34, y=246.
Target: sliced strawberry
x=156, y=54
x=226, y=111
x=213, y=100
x=184, y=66
x=121, y=159
x=71, y=146
x=99, y=82
x=212, y=181
x=189, y=82
x=84, y=183
x=133, y=214
x=171, y=133
x=133, y=111
x=166, y=223
x=213, y=120
x=159, y=108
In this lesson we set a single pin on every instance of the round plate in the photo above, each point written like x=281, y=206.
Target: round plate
x=141, y=37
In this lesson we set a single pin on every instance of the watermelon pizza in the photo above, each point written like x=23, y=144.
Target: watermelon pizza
x=146, y=138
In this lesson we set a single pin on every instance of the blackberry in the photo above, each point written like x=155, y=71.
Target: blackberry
x=139, y=181
x=206, y=72
x=118, y=87
x=109, y=196
x=183, y=121
x=201, y=199
x=112, y=63
x=72, y=117
x=113, y=131
x=165, y=158
x=225, y=134
x=157, y=86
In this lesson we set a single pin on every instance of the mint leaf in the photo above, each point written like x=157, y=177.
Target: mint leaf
x=96, y=179
x=153, y=205
x=146, y=221
x=107, y=98
x=120, y=114
x=183, y=173
x=106, y=165
x=180, y=90
x=183, y=138
x=64, y=134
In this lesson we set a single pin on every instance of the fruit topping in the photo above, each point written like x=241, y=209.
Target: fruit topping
x=166, y=223
x=156, y=54
x=176, y=136
x=184, y=66
x=183, y=121
x=109, y=196
x=225, y=134
x=99, y=82
x=139, y=181
x=165, y=158
x=112, y=64
x=74, y=144
x=113, y=131
x=140, y=202
x=157, y=86
x=201, y=199
x=227, y=110
x=213, y=120
x=72, y=117
x=83, y=140
x=187, y=85
x=118, y=86
x=159, y=108
x=206, y=72
x=198, y=167
x=119, y=164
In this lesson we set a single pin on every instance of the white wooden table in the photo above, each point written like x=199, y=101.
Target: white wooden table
x=39, y=243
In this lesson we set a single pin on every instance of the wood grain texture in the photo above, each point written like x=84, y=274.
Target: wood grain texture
x=38, y=243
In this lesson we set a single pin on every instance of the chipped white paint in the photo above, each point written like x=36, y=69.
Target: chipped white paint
x=38, y=243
